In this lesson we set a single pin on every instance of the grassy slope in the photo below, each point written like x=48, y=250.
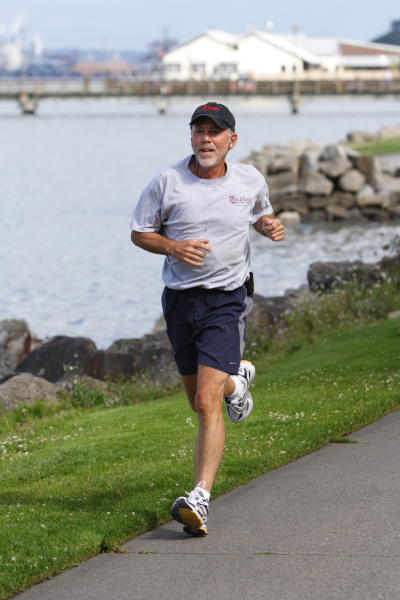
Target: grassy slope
x=93, y=478
x=389, y=146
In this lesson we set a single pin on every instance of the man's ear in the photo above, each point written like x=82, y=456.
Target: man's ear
x=234, y=138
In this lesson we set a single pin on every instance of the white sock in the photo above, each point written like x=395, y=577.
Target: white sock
x=239, y=386
x=201, y=490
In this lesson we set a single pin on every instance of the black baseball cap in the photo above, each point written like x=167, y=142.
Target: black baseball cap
x=217, y=112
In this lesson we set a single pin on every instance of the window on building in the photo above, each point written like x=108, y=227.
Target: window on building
x=173, y=68
x=198, y=67
x=228, y=67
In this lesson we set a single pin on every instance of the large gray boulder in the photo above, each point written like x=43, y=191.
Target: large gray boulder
x=92, y=388
x=298, y=147
x=389, y=131
x=335, y=167
x=333, y=152
x=369, y=166
x=352, y=181
x=15, y=344
x=326, y=276
x=351, y=153
x=392, y=202
x=309, y=162
x=149, y=358
x=367, y=197
x=388, y=183
x=316, y=184
x=282, y=184
x=359, y=137
x=259, y=160
x=293, y=202
x=53, y=358
x=266, y=313
x=26, y=389
x=266, y=317
x=283, y=163
x=390, y=164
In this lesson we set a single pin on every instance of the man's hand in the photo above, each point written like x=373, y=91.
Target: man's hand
x=192, y=251
x=274, y=229
x=271, y=227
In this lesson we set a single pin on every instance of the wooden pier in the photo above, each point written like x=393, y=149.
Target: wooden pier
x=29, y=92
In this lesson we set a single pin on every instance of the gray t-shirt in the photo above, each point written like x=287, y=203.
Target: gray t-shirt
x=180, y=205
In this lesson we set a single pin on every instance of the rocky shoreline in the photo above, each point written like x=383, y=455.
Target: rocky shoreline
x=31, y=369
x=311, y=183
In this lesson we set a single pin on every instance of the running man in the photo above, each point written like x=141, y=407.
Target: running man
x=198, y=214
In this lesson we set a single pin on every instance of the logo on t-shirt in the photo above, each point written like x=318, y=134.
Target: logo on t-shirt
x=233, y=199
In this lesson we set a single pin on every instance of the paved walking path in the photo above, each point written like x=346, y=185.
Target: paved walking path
x=325, y=527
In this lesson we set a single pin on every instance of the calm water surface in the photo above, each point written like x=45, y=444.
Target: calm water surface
x=70, y=178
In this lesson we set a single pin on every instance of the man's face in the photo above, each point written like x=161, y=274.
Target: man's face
x=210, y=143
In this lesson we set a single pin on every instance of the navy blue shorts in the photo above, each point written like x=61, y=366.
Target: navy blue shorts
x=206, y=327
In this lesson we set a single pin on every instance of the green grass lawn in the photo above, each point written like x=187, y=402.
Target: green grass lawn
x=389, y=146
x=84, y=480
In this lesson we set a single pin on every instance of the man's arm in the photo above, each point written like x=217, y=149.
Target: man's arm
x=190, y=251
x=270, y=227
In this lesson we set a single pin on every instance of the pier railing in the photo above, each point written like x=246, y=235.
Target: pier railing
x=29, y=91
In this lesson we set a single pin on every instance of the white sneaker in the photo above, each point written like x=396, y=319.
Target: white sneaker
x=240, y=404
x=192, y=512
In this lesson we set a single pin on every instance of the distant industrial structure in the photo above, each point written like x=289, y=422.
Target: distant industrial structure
x=24, y=55
x=16, y=47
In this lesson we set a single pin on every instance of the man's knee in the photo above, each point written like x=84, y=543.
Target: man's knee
x=208, y=401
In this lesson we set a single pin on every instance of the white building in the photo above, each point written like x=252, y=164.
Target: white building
x=211, y=55
x=262, y=55
x=337, y=54
x=218, y=55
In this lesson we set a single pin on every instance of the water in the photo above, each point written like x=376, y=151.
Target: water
x=70, y=179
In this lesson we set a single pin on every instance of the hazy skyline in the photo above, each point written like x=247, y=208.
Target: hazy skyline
x=122, y=24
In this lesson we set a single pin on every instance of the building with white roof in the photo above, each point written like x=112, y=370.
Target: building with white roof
x=211, y=55
x=219, y=55
x=336, y=54
x=262, y=55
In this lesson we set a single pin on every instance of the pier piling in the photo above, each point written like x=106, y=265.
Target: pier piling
x=28, y=104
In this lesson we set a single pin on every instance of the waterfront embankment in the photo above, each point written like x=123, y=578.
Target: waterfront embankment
x=31, y=369
x=310, y=183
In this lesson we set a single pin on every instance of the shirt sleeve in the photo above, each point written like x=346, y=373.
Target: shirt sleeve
x=262, y=205
x=147, y=214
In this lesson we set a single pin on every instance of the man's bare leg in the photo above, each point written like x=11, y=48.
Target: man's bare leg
x=211, y=435
x=190, y=385
x=205, y=391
